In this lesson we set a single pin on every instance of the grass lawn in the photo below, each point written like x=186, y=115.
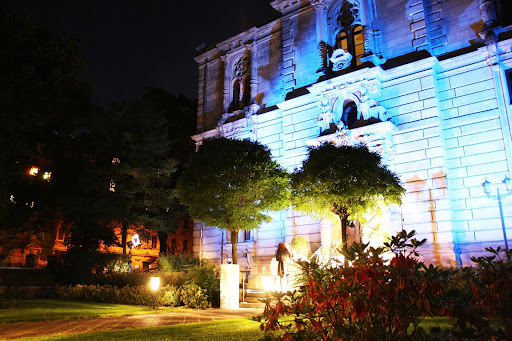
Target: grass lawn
x=226, y=330
x=44, y=310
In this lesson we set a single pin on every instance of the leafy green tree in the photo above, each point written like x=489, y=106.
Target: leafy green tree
x=348, y=181
x=231, y=184
x=138, y=168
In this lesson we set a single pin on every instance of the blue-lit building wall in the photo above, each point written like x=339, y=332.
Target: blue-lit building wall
x=431, y=88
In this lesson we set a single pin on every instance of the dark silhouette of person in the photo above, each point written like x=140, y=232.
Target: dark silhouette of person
x=282, y=257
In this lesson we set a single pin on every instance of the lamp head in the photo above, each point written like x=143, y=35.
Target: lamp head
x=508, y=183
x=487, y=187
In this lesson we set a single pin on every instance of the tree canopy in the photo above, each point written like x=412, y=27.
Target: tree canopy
x=348, y=181
x=231, y=184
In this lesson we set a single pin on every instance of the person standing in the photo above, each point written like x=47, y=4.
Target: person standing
x=282, y=257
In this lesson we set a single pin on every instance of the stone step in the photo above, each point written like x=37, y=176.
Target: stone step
x=252, y=305
x=251, y=299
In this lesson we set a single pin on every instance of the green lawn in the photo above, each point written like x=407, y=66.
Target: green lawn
x=43, y=310
x=226, y=330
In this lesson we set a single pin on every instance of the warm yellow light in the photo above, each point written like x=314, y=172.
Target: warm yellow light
x=154, y=283
x=47, y=176
x=33, y=171
x=267, y=282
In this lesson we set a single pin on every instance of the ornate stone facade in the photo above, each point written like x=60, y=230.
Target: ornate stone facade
x=422, y=89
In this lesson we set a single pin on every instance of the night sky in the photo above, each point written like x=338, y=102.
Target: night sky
x=129, y=44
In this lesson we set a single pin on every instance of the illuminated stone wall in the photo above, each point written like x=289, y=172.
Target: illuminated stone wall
x=434, y=86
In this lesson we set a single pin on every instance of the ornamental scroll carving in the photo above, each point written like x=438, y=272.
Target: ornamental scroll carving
x=377, y=137
x=354, y=105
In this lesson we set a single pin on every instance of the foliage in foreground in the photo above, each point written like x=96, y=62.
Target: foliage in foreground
x=367, y=300
x=374, y=299
x=481, y=297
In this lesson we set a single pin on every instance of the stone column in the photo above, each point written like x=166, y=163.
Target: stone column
x=368, y=40
x=320, y=7
x=254, y=73
x=227, y=77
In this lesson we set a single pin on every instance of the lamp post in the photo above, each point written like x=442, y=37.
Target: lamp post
x=487, y=189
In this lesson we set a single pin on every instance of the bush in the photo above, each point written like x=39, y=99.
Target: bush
x=369, y=300
x=179, y=270
x=194, y=297
x=170, y=296
x=207, y=277
x=300, y=247
x=8, y=303
x=483, y=294
x=140, y=295
x=173, y=263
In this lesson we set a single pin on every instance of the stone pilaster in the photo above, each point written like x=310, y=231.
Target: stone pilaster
x=225, y=102
x=254, y=72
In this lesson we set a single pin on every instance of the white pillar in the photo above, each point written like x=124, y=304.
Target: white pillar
x=229, y=286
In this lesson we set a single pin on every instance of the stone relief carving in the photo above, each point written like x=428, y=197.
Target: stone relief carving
x=488, y=13
x=326, y=116
x=369, y=107
x=354, y=100
x=377, y=137
x=340, y=59
x=241, y=66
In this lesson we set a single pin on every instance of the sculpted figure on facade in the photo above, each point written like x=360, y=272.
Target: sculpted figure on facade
x=488, y=13
x=369, y=107
x=326, y=116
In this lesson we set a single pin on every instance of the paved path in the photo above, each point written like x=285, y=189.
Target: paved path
x=10, y=331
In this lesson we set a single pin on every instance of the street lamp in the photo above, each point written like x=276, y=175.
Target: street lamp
x=487, y=189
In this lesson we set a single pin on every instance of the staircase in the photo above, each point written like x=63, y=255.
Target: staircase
x=254, y=298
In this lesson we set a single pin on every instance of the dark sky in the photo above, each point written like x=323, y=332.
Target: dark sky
x=129, y=44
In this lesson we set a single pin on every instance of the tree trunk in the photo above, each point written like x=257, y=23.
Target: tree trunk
x=234, y=241
x=344, y=234
x=124, y=232
x=162, y=237
x=343, y=214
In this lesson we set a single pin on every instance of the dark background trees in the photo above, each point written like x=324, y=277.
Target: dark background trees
x=48, y=120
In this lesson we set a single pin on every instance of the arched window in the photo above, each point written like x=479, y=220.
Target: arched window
x=351, y=40
x=349, y=115
x=236, y=95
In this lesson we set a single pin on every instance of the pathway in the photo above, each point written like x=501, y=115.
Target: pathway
x=10, y=331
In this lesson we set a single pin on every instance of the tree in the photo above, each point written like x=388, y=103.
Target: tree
x=137, y=169
x=180, y=113
x=231, y=184
x=42, y=100
x=348, y=181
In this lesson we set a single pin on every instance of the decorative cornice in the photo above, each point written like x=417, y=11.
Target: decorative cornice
x=285, y=6
x=319, y=4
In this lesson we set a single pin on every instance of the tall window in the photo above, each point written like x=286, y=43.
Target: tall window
x=508, y=75
x=243, y=236
x=351, y=40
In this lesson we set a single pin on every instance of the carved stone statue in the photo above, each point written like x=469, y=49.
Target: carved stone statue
x=326, y=117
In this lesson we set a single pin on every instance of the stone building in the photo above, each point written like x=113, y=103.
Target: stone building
x=426, y=83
